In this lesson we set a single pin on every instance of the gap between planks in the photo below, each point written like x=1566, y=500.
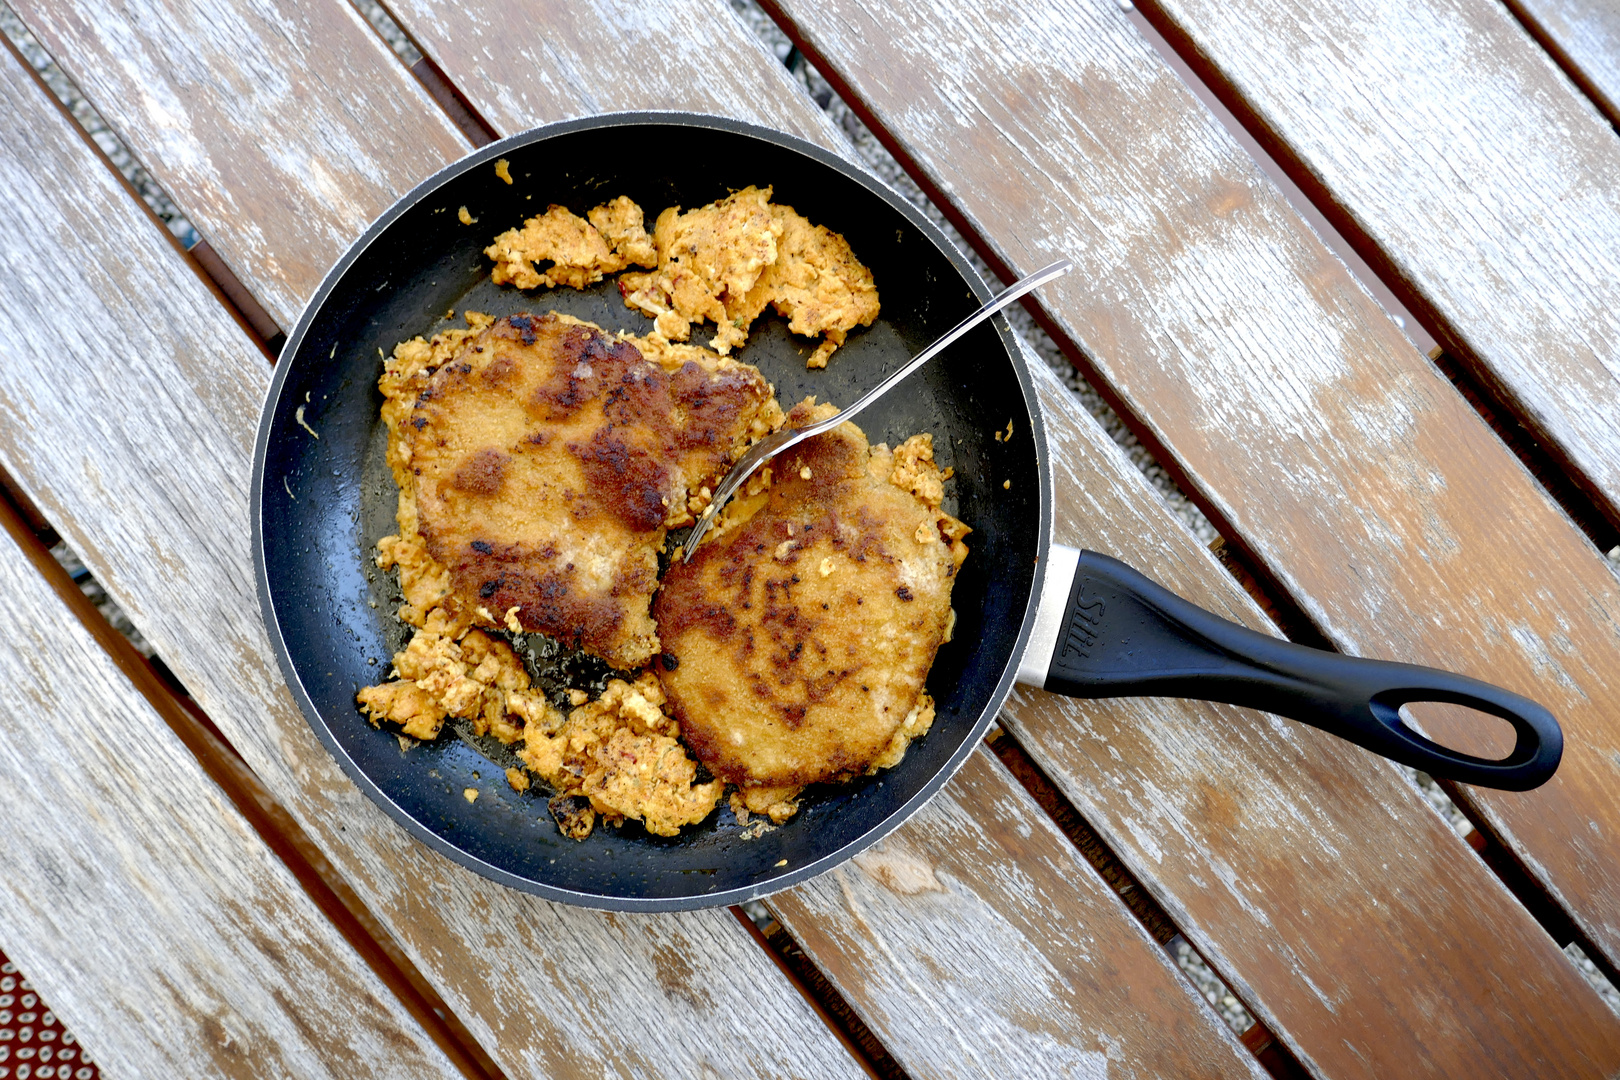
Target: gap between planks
x=1608, y=106
x=1239, y=558
x=210, y=269
x=280, y=833
x=797, y=967
x=1572, y=491
x=204, y=261
x=1532, y=454
x=1257, y=1038
x=447, y=95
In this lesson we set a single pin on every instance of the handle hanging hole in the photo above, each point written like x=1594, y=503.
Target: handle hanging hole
x=1459, y=728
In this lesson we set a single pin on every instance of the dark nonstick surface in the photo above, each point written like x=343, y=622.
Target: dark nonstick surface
x=323, y=502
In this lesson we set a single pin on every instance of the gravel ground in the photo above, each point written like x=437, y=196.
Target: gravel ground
x=876, y=158
x=91, y=588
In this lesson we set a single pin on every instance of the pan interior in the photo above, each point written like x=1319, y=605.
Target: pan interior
x=326, y=500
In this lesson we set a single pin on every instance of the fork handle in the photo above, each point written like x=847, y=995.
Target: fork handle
x=752, y=460
x=1006, y=296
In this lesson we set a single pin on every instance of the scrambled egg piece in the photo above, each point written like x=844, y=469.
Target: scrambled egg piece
x=621, y=754
x=725, y=262
x=471, y=676
x=580, y=251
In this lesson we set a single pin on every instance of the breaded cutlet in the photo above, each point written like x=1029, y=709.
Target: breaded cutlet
x=548, y=458
x=797, y=640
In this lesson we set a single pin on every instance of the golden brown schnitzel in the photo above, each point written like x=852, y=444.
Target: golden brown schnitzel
x=547, y=458
x=796, y=642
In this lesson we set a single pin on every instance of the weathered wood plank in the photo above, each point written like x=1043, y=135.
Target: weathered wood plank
x=1585, y=37
x=1345, y=793
x=489, y=55
x=139, y=445
x=1204, y=1045
x=234, y=132
x=1360, y=478
x=142, y=903
x=1292, y=859
x=523, y=64
x=280, y=196
x=979, y=942
x=1469, y=169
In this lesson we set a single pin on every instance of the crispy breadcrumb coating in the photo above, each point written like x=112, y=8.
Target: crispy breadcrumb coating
x=798, y=637
x=541, y=462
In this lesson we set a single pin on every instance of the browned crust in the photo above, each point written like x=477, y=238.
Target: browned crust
x=778, y=640
x=622, y=461
x=603, y=448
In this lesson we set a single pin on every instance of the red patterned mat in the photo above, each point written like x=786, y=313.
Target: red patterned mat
x=33, y=1043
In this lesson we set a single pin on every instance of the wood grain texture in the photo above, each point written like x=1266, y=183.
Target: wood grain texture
x=1070, y=1013
x=1248, y=354
x=522, y=64
x=1167, y=778
x=1392, y=810
x=234, y=131
x=1353, y=922
x=1586, y=37
x=1482, y=179
x=142, y=903
x=139, y=444
x=1013, y=1018
x=980, y=943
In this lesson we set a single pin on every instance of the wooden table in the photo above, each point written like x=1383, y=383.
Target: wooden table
x=194, y=885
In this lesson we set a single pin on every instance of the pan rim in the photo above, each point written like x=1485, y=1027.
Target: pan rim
x=352, y=769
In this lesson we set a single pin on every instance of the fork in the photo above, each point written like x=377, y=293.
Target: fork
x=775, y=443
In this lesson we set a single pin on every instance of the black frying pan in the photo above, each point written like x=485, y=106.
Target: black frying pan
x=1080, y=624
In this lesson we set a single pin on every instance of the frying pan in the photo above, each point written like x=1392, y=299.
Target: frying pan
x=1078, y=623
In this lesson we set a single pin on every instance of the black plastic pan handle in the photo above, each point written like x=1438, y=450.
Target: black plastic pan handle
x=1122, y=635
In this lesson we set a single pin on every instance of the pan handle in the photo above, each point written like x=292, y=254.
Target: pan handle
x=1121, y=635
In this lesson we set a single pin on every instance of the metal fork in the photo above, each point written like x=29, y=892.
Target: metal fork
x=774, y=444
